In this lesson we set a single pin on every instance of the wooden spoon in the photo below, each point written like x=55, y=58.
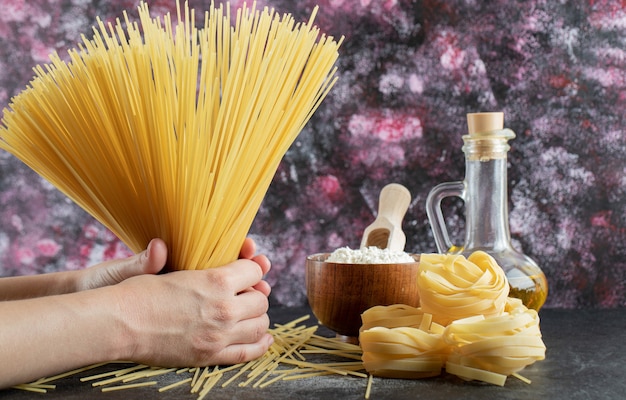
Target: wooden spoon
x=386, y=230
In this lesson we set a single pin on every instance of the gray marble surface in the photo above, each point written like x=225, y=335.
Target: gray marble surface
x=585, y=359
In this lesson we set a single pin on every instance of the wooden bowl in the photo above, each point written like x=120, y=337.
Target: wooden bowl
x=339, y=293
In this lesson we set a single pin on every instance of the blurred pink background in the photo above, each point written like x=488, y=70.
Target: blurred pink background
x=409, y=72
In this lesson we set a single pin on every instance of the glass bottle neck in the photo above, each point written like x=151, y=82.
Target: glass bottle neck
x=486, y=202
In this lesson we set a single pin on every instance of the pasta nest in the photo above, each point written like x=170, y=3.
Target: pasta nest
x=396, y=351
x=475, y=348
x=466, y=324
x=455, y=287
x=504, y=344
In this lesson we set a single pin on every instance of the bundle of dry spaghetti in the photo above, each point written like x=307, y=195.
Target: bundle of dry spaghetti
x=162, y=129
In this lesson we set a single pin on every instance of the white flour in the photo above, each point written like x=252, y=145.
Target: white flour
x=369, y=255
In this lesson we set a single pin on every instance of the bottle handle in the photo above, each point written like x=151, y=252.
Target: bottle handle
x=435, y=215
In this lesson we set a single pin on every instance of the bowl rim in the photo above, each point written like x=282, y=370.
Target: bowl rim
x=321, y=258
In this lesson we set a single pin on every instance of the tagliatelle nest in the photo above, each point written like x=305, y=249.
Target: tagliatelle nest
x=452, y=287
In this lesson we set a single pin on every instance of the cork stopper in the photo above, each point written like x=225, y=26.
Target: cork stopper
x=487, y=138
x=485, y=122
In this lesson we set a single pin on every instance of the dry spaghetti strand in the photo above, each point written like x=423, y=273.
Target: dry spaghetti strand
x=160, y=128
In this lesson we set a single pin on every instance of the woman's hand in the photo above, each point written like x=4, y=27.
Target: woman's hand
x=183, y=318
x=196, y=318
x=150, y=262
x=248, y=252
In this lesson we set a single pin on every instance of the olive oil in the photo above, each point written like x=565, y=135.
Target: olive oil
x=532, y=290
x=484, y=192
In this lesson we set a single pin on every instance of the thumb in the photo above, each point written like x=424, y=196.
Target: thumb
x=150, y=261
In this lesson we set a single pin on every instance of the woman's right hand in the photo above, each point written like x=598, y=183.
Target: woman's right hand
x=197, y=317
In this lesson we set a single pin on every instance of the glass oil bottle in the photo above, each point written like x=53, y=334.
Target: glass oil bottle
x=484, y=193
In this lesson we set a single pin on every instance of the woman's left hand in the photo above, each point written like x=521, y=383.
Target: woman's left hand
x=115, y=271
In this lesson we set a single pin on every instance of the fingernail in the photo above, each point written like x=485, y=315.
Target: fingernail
x=144, y=254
